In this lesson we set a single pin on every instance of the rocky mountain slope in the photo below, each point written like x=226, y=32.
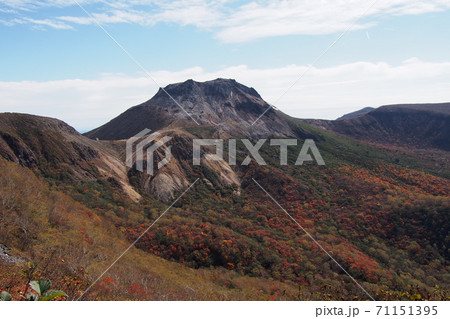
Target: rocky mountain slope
x=225, y=105
x=220, y=108
x=58, y=151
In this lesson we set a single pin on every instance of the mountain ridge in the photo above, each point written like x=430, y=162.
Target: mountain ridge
x=421, y=126
x=356, y=113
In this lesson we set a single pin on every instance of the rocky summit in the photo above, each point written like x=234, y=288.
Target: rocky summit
x=223, y=104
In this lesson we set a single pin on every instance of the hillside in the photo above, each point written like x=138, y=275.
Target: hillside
x=421, y=126
x=59, y=152
x=54, y=236
x=382, y=213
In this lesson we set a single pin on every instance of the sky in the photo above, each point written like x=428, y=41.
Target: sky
x=87, y=61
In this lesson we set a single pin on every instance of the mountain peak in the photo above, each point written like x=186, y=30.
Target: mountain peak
x=219, y=88
x=224, y=104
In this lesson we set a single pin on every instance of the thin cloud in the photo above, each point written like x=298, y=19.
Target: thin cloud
x=261, y=19
x=44, y=23
x=114, y=16
x=235, y=23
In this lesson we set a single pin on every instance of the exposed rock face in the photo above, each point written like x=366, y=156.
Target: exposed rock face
x=13, y=149
x=166, y=183
x=52, y=146
x=222, y=104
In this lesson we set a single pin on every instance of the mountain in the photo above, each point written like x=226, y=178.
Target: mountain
x=356, y=113
x=58, y=151
x=423, y=126
x=70, y=204
x=220, y=108
x=222, y=104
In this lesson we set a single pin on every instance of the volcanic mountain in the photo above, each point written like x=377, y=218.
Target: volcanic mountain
x=225, y=105
x=220, y=108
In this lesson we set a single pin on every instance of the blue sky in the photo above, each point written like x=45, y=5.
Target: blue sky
x=56, y=61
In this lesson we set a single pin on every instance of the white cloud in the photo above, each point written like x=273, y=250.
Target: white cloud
x=261, y=19
x=43, y=23
x=322, y=93
x=30, y=5
x=113, y=16
x=239, y=23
